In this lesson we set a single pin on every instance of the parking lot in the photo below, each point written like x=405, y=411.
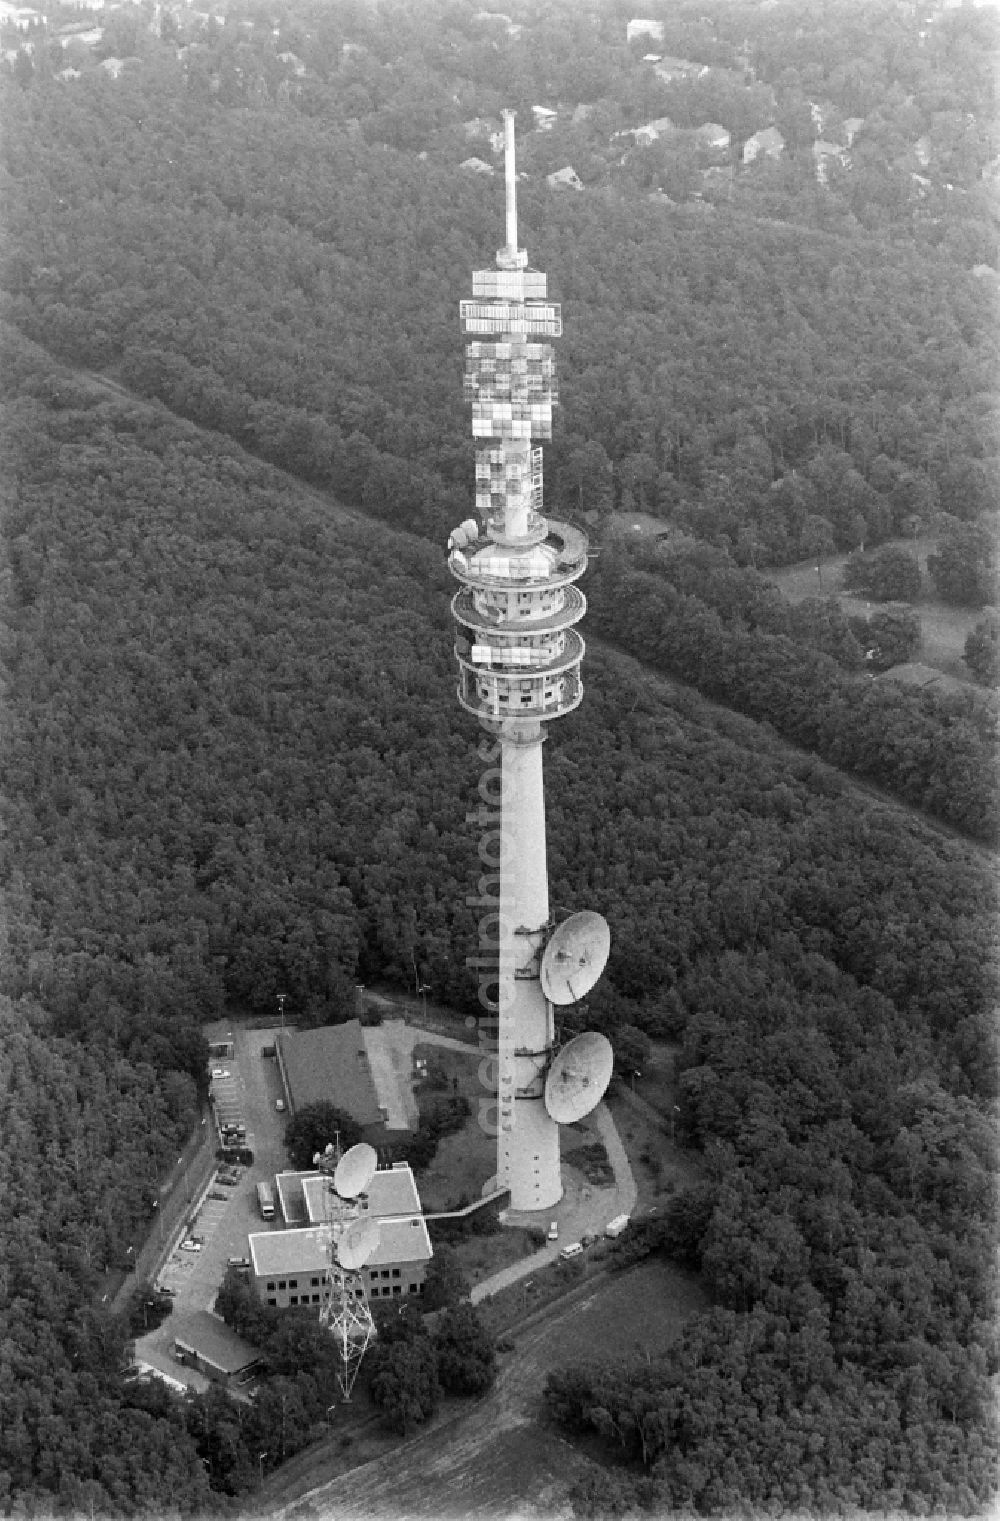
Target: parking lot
x=247, y=1093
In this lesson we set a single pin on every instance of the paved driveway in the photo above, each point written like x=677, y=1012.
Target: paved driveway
x=390, y=1057
x=583, y=1207
x=390, y=1065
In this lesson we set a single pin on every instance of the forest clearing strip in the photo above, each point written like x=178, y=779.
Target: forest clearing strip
x=313, y=1469
x=658, y=681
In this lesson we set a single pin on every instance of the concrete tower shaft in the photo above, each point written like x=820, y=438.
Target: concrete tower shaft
x=519, y=659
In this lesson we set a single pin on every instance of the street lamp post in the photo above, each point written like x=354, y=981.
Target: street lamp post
x=281, y=1008
x=674, y=1111
x=260, y=1462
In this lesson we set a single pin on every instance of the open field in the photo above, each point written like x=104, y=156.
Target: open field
x=944, y=629
x=482, y=1256
x=658, y=1084
x=495, y=1458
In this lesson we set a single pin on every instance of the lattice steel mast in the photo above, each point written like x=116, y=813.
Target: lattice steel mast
x=344, y=1311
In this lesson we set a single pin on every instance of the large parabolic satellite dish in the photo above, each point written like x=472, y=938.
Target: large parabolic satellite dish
x=575, y=957
x=355, y=1171
x=357, y=1244
x=578, y=1078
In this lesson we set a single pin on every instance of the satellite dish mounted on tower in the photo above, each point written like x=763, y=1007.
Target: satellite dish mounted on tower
x=575, y=957
x=355, y=1171
x=357, y=1244
x=578, y=1078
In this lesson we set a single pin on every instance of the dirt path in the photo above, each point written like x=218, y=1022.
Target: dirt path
x=497, y=1458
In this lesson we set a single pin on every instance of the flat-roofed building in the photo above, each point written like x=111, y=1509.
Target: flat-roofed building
x=288, y=1268
x=203, y=1341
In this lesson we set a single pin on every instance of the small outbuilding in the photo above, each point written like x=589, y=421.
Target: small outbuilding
x=567, y=177
x=642, y=27
x=204, y=1342
x=768, y=143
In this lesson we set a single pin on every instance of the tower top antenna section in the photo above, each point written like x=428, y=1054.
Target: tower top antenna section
x=510, y=257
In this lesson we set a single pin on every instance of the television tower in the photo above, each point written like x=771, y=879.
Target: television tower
x=519, y=667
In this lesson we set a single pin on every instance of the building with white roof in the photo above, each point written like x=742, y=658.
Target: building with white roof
x=288, y=1267
x=641, y=27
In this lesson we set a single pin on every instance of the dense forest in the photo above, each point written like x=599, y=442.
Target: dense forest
x=232, y=756
x=235, y=765
x=278, y=264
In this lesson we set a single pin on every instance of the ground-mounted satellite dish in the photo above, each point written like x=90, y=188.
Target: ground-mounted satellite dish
x=355, y=1171
x=357, y=1243
x=578, y=1077
x=575, y=957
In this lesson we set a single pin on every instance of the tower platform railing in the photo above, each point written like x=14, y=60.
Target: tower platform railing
x=465, y=611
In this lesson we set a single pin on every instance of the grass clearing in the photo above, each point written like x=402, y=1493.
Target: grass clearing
x=462, y=1163
x=658, y=1084
x=944, y=629
x=482, y=1256
x=634, y=1313
x=467, y=1159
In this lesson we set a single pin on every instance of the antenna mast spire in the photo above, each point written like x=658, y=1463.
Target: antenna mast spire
x=511, y=180
x=510, y=256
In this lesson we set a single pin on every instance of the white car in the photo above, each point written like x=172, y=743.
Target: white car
x=221, y=1072
x=554, y=1231
x=190, y=1246
x=279, y=1104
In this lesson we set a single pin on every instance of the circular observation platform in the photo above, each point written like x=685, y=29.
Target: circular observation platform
x=540, y=694
x=505, y=664
x=556, y=560
x=493, y=620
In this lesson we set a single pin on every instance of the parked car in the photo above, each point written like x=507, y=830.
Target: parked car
x=573, y=1250
x=215, y=1194
x=279, y=1104
x=554, y=1231
x=221, y=1072
x=190, y=1246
